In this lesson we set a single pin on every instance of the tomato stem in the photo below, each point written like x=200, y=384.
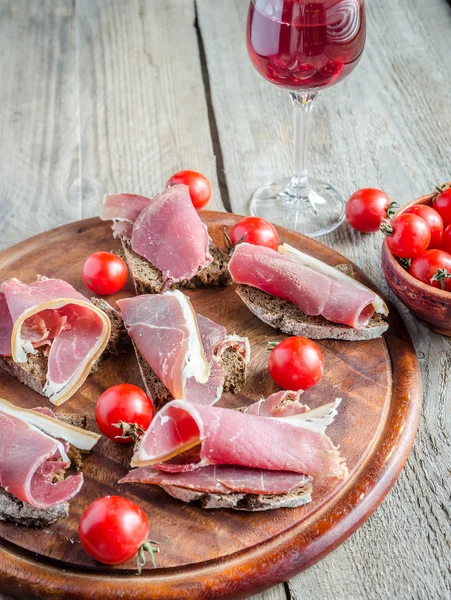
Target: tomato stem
x=441, y=275
x=386, y=227
x=272, y=345
x=151, y=550
x=129, y=430
x=391, y=209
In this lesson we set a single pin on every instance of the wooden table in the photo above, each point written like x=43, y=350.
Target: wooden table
x=101, y=95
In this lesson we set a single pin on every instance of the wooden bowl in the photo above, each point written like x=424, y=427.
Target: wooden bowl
x=432, y=306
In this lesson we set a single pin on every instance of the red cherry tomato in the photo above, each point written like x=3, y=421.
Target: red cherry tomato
x=199, y=186
x=366, y=208
x=124, y=403
x=254, y=230
x=442, y=204
x=104, y=273
x=433, y=219
x=434, y=268
x=295, y=364
x=446, y=239
x=113, y=529
x=407, y=236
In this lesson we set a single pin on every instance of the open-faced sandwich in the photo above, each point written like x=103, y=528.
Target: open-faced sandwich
x=301, y=295
x=181, y=354
x=165, y=243
x=37, y=449
x=260, y=458
x=52, y=337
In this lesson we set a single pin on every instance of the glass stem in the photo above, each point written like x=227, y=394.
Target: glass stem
x=303, y=104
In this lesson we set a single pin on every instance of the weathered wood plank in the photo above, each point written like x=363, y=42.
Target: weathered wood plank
x=38, y=118
x=143, y=111
x=386, y=126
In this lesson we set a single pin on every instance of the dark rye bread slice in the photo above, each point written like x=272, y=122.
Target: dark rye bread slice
x=22, y=513
x=291, y=320
x=149, y=280
x=33, y=373
x=239, y=501
x=230, y=360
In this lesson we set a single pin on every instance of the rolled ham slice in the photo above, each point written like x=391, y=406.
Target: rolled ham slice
x=52, y=312
x=30, y=458
x=313, y=292
x=228, y=437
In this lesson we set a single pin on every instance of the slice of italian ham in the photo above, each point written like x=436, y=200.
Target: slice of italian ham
x=170, y=234
x=123, y=208
x=228, y=437
x=181, y=348
x=30, y=458
x=51, y=312
x=223, y=479
x=313, y=292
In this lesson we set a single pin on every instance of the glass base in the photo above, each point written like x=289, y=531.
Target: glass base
x=313, y=211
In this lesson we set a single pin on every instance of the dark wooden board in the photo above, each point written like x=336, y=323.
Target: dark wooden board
x=222, y=553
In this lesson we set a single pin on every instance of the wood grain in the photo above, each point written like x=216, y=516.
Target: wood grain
x=218, y=554
x=143, y=112
x=386, y=126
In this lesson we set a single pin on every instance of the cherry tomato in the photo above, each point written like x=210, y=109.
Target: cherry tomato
x=104, y=273
x=366, y=208
x=295, y=364
x=407, y=236
x=123, y=403
x=433, y=267
x=442, y=204
x=433, y=219
x=113, y=529
x=446, y=239
x=199, y=186
x=254, y=230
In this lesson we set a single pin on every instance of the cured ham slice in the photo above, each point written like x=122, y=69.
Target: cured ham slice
x=123, y=209
x=182, y=349
x=165, y=331
x=170, y=235
x=223, y=479
x=6, y=327
x=30, y=458
x=280, y=404
x=313, y=292
x=228, y=437
x=51, y=312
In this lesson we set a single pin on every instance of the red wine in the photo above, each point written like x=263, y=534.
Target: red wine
x=305, y=44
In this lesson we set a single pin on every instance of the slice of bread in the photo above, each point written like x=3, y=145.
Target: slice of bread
x=231, y=361
x=287, y=317
x=149, y=280
x=239, y=501
x=33, y=373
x=22, y=513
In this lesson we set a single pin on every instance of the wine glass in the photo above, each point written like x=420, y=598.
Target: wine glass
x=303, y=46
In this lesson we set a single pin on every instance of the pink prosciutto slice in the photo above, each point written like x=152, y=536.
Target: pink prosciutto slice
x=6, y=327
x=123, y=208
x=29, y=459
x=222, y=479
x=170, y=234
x=51, y=312
x=313, y=292
x=181, y=348
x=228, y=437
x=280, y=404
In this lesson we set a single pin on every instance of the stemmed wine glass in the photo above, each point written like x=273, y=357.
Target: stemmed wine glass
x=303, y=46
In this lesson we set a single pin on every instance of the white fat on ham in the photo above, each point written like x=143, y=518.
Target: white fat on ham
x=317, y=265
x=51, y=312
x=49, y=424
x=231, y=437
x=123, y=209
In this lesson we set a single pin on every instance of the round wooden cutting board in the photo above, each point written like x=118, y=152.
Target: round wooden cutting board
x=218, y=553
